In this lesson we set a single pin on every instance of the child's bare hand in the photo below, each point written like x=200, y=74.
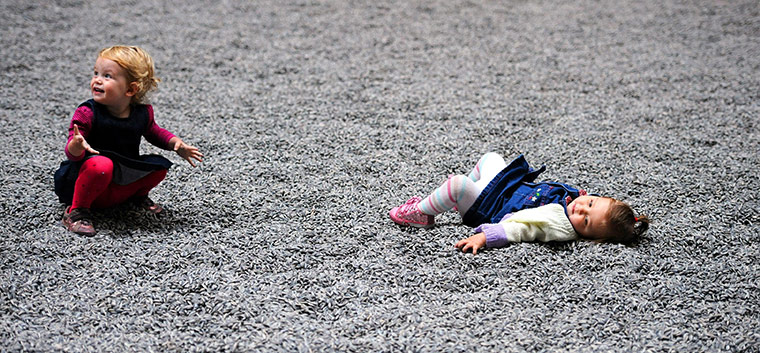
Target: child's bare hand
x=474, y=242
x=188, y=152
x=79, y=144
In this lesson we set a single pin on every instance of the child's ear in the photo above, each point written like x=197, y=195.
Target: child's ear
x=132, y=89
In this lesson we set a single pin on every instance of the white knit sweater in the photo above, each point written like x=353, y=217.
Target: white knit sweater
x=545, y=223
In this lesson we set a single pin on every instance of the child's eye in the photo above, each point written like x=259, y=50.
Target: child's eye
x=107, y=75
x=585, y=220
x=590, y=203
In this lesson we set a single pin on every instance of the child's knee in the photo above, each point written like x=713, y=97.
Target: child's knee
x=458, y=179
x=492, y=157
x=488, y=155
x=97, y=166
x=158, y=176
x=458, y=185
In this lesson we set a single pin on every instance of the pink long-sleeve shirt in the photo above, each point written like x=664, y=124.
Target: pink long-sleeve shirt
x=155, y=134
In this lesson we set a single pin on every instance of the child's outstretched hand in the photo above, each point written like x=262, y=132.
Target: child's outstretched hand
x=79, y=144
x=474, y=242
x=188, y=152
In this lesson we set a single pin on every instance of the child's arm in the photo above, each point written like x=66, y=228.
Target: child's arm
x=160, y=137
x=474, y=242
x=186, y=151
x=76, y=144
x=545, y=223
x=155, y=134
x=498, y=235
x=486, y=235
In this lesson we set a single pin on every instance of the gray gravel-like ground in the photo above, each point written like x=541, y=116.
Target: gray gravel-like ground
x=317, y=117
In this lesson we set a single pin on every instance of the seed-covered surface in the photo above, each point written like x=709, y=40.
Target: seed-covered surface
x=317, y=117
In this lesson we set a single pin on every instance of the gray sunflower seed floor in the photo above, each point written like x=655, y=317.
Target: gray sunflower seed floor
x=317, y=117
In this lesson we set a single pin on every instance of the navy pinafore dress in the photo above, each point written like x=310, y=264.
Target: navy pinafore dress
x=115, y=138
x=513, y=190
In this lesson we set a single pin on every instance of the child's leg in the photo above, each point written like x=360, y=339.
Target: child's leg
x=461, y=191
x=490, y=165
x=116, y=194
x=487, y=167
x=448, y=195
x=94, y=177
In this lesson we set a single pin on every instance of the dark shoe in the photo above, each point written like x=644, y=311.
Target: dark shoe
x=147, y=204
x=79, y=221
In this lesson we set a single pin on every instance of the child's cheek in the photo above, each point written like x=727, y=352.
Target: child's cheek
x=575, y=221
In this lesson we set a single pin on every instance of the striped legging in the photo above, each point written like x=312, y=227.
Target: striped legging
x=462, y=190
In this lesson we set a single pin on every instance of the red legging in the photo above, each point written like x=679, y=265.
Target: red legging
x=95, y=189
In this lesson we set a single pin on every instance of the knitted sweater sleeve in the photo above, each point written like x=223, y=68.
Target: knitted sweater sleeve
x=155, y=134
x=545, y=223
x=83, y=119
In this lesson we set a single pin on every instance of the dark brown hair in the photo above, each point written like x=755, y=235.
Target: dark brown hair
x=623, y=226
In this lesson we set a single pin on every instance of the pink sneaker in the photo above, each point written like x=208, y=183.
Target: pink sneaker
x=409, y=214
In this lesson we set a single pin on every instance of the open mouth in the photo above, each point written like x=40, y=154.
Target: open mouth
x=97, y=90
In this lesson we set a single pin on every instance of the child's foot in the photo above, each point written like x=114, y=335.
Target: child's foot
x=78, y=221
x=409, y=214
x=147, y=204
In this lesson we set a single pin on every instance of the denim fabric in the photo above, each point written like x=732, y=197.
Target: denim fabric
x=513, y=190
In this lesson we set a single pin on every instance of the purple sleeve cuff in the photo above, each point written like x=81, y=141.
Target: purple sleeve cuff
x=496, y=237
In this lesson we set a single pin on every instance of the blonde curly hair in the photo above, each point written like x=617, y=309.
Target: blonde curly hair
x=139, y=67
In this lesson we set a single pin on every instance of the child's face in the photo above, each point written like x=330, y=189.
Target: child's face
x=109, y=85
x=588, y=214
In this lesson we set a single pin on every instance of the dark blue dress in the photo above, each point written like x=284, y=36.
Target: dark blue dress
x=117, y=139
x=513, y=190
